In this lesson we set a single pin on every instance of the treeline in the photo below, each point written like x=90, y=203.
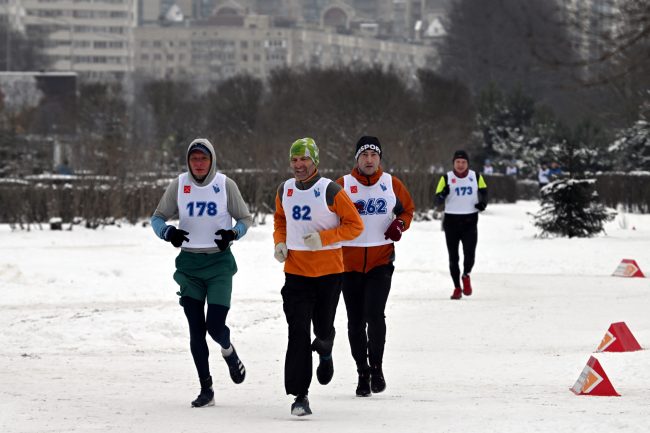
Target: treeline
x=420, y=120
x=126, y=150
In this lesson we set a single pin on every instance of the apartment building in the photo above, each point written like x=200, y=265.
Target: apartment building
x=101, y=39
x=593, y=25
x=207, y=51
x=91, y=37
x=393, y=19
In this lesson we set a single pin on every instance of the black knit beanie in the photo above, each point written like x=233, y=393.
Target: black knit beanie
x=460, y=154
x=367, y=142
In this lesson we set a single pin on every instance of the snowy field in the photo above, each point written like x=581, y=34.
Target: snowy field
x=93, y=339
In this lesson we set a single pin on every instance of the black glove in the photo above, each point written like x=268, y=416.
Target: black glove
x=442, y=195
x=224, y=239
x=176, y=236
x=480, y=206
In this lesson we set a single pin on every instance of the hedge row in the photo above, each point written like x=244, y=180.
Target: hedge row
x=97, y=199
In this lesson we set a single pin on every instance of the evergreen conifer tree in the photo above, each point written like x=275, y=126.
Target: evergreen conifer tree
x=631, y=150
x=570, y=206
x=513, y=127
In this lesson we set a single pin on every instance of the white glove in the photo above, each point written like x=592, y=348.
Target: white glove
x=281, y=252
x=312, y=240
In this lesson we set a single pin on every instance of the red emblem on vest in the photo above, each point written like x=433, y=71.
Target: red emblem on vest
x=353, y=189
x=187, y=189
x=453, y=180
x=289, y=192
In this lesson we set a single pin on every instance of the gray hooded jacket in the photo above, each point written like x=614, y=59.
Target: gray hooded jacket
x=168, y=206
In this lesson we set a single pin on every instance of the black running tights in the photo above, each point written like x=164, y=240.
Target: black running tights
x=214, y=324
x=468, y=235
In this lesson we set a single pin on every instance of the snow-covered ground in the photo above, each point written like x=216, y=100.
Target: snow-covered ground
x=92, y=338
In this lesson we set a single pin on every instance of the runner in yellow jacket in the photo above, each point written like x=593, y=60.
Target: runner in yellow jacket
x=464, y=193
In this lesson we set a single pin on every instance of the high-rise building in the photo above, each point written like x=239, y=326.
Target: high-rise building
x=209, y=52
x=210, y=40
x=593, y=24
x=91, y=37
x=394, y=19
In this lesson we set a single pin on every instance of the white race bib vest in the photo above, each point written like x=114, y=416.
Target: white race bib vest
x=202, y=210
x=463, y=194
x=306, y=211
x=378, y=201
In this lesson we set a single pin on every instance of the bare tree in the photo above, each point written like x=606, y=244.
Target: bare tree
x=506, y=42
x=614, y=48
x=230, y=112
x=173, y=114
x=104, y=126
x=21, y=51
x=336, y=106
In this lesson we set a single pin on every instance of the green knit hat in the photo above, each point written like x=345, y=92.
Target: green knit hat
x=305, y=147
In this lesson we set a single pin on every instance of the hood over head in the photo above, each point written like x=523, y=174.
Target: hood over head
x=202, y=145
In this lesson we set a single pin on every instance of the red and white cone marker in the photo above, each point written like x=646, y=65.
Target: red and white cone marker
x=628, y=268
x=594, y=381
x=618, y=338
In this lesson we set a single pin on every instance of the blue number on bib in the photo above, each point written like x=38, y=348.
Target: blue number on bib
x=201, y=207
x=464, y=190
x=299, y=213
x=372, y=206
x=381, y=206
x=361, y=206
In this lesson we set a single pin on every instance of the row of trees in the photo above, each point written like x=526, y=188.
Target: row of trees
x=513, y=127
x=544, y=74
x=582, y=59
x=251, y=122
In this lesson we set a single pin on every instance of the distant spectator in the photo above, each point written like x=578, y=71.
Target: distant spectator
x=487, y=167
x=555, y=171
x=511, y=168
x=64, y=168
x=543, y=175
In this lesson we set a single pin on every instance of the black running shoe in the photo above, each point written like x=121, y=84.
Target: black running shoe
x=237, y=369
x=377, y=382
x=206, y=397
x=300, y=407
x=363, y=387
x=325, y=369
